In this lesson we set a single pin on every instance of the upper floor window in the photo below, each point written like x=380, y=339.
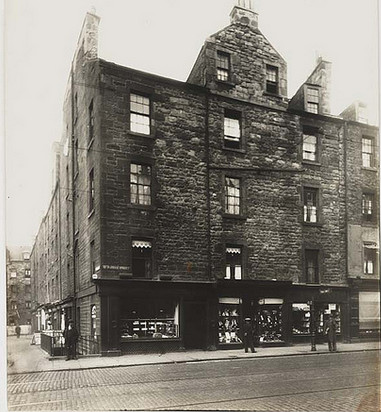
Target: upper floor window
x=271, y=79
x=232, y=130
x=232, y=195
x=28, y=305
x=370, y=259
x=309, y=146
x=140, y=121
x=91, y=121
x=141, y=258
x=92, y=258
x=223, y=66
x=27, y=273
x=13, y=274
x=140, y=184
x=91, y=191
x=233, y=262
x=368, y=206
x=312, y=100
x=310, y=204
x=311, y=257
x=367, y=152
x=26, y=255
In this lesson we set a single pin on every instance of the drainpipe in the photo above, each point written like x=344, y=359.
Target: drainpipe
x=73, y=193
x=346, y=337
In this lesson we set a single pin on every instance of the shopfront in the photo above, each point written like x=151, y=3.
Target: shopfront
x=312, y=306
x=265, y=303
x=149, y=316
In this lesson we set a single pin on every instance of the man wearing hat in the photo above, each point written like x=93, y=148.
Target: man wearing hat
x=248, y=338
x=71, y=337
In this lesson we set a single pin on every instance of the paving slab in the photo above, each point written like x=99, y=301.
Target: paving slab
x=23, y=357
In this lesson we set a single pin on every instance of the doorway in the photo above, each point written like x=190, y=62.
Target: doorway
x=195, y=325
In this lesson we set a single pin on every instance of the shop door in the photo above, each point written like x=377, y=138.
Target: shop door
x=195, y=325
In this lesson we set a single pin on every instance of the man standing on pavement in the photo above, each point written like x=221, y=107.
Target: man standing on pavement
x=71, y=337
x=248, y=338
x=18, y=330
x=330, y=327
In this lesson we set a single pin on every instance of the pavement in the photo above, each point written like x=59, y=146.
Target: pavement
x=23, y=357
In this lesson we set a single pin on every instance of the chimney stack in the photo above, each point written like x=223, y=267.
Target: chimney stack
x=244, y=13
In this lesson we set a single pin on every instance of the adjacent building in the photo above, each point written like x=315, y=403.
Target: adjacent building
x=19, y=296
x=180, y=208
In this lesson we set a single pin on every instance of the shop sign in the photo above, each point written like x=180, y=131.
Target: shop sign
x=270, y=301
x=114, y=267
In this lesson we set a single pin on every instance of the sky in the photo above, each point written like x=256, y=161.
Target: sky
x=162, y=37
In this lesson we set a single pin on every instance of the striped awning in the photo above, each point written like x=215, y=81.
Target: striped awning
x=141, y=243
x=233, y=250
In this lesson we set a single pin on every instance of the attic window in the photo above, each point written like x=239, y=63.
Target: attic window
x=272, y=79
x=223, y=66
x=312, y=100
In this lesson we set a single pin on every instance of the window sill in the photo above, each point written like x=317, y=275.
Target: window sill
x=230, y=216
x=311, y=163
x=276, y=95
x=149, y=136
x=91, y=213
x=229, y=83
x=141, y=207
x=313, y=224
x=369, y=169
x=232, y=149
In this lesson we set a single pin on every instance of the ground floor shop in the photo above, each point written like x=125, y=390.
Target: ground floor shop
x=146, y=316
x=142, y=316
x=364, y=309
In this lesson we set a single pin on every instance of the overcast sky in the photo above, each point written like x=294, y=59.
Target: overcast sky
x=162, y=37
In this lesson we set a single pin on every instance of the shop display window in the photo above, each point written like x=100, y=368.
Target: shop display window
x=149, y=319
x=229, y=311
x=269, y=320
x=301, y=317
x=323, y=311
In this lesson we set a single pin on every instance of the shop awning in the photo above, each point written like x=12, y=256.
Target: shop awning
x=141, y=243
x=233, y=250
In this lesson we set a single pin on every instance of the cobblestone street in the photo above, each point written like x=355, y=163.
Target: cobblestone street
x=325, y=382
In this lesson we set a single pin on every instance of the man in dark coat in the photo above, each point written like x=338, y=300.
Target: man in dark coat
x=248, y=338
x=71, y=337
x=18, y=330
x=330, y=327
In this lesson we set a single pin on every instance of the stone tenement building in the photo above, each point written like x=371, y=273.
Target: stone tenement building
x=19, y=297
x=180, y=208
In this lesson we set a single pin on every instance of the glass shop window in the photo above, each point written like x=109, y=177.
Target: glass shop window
x=369, y=311
x=149, y=319
x=301, y=317
x=322, y=313
x=229, y=320
x=269, y=319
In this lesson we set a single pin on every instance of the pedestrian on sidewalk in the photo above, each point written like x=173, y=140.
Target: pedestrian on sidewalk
x=330, y=327
x=18, y=331
x=248, y=338
x=71, y=338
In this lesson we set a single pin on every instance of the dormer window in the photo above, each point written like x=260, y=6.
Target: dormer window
x=223, y=66
x=312, y=100
x=272, y=79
